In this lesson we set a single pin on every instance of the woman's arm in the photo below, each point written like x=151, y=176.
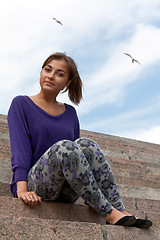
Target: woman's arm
x=20, y=141
x=22, y=193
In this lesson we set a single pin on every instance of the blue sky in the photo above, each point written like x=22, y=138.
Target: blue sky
x=120, y=98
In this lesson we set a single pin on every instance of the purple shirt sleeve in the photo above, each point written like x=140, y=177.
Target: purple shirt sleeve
x=21, y=151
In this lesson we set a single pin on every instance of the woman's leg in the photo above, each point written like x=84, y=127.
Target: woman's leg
x=101, y=171
x=65, y=161
x=47, y=180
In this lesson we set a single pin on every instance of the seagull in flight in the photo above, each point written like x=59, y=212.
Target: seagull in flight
x=133, y=60
x=57, y=21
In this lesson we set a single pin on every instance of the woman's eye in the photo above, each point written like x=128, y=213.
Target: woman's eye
x=47, y=69
x=60, y=74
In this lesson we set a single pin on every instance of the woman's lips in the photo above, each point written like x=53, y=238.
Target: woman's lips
x=49, y=83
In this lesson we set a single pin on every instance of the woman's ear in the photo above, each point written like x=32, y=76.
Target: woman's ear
x=66, y=86
x=68, y=83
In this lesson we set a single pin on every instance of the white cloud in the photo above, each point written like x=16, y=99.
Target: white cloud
x=107, y=28
x=136, y=124
x=106, y=84
x=151, y=135
x=127, y=118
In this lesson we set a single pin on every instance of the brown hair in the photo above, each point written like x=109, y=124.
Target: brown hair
x=75, y=87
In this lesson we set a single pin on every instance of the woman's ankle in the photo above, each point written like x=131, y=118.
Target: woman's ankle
x=114, y=216
x=126, y=213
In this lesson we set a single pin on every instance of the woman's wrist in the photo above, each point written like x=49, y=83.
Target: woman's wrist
x=22, y=187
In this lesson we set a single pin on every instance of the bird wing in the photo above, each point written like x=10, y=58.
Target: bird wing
x=59, y=22
x=134, y=60
x=128, y=55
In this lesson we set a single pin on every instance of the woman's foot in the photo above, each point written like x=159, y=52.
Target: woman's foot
x=118, y=218
x=126, y=213
x=126, y=221
x=142, y=223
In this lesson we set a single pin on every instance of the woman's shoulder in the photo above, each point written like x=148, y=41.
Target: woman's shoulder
x=71, y=112
x=19, y=98
x=18, y=102
x=70, y=107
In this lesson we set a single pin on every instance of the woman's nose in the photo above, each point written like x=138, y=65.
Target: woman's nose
x=51, y=75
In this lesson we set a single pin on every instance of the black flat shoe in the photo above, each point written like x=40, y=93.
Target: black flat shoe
x=125, y=221
x=142, y=223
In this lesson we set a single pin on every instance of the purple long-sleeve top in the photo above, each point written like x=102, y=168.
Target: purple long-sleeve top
x=33, y=131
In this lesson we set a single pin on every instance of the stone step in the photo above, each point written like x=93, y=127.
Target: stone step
x=139, y=192
x=131, y=153
x=126, y=148
x=78, y=212
x=3, y=124
x=135, y=172
x=139, y=206
x=135, y=181
x=132, y=174
x=146, y=172
x=112, y=145
x=132, y=163
x=13, y=207
x=51, y=220
x=33, y=229
x=129, y=233
x=5, y=170
x=125, y=191
x=121, y=141
x=135, y=165
x=4, y=148
x=105, y=140
x=145, y=209
x=5, y=189
x=142, y=208
x=134, y=204
x=2, y=116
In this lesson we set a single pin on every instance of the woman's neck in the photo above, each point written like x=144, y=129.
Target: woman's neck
x=50, y=105
x=50, y=99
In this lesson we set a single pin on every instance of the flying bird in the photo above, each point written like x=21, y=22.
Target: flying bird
x=57, y=21
x=133, y=60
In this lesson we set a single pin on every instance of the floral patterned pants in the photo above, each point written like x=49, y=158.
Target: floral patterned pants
x=69, y=170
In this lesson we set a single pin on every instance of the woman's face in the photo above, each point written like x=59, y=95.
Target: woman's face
x=54, y=76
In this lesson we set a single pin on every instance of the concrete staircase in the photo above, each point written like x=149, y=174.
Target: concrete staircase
x=136, y=168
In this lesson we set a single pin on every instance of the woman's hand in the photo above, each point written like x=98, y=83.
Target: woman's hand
x=30, y=198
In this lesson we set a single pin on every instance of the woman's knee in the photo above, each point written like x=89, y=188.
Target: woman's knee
x=56, y=151
x=65, y=153
x=85, y=142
